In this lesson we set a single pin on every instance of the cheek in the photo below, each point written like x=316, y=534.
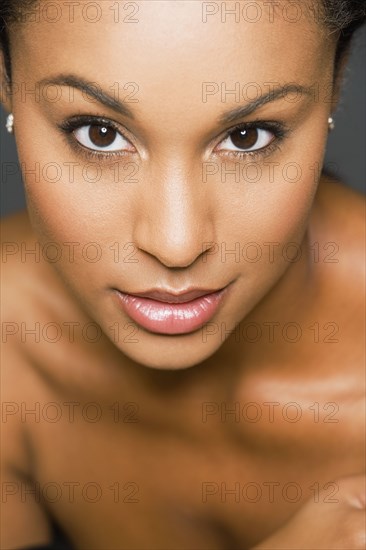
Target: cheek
x=272, y=209
x=270, y=199
x=265, y=215
x=69, y=199
x=77, y=213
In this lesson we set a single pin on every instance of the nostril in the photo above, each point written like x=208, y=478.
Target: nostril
x=176, y=237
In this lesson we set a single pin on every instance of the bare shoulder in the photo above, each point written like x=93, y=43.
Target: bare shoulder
x=16, y=232
x=337, y=238
x=23, y=520
x=339, y=214
x=23, y=281
x=338, y=226
x=18, y=259
x=26, y=274
x=34, y=302
x=18, y=283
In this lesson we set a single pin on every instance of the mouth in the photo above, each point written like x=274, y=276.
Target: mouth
x=163, y=312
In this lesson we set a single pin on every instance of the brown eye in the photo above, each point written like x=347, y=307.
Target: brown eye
x=247, y=139
x=244, y=139
x=102, y=136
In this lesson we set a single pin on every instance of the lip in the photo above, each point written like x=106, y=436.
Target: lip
x=174, y=297
x=163, y=312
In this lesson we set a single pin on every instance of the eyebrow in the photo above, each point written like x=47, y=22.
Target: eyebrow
x=93, y=89
x=272, y=95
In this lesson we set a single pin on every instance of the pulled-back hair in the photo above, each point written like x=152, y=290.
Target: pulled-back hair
x=341, y=16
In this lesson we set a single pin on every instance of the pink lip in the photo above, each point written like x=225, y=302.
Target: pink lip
x=165, y=313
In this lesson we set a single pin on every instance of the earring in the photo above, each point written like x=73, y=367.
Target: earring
x=9, y=123
x=331, y=124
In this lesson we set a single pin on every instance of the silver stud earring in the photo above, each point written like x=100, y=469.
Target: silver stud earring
x=331, y=123
x=9, y=123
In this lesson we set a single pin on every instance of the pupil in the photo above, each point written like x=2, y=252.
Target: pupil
x=244, y=138
x=101, y=136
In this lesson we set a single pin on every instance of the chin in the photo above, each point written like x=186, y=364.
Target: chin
x=163, y=352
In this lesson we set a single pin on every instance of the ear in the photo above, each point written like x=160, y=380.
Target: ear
x=5, y=85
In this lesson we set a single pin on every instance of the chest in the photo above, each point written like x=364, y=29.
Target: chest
x=131, y=486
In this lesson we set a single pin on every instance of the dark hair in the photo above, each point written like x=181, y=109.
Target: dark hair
x=341, y=16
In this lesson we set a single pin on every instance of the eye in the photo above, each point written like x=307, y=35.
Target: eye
x=246, y=139
x=101, y=137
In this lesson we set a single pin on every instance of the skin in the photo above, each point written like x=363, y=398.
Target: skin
x=171, y=216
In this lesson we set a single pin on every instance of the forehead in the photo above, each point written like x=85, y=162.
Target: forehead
x=171, y=49
x=173, y=38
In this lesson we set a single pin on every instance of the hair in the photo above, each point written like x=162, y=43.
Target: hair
x=341, y=16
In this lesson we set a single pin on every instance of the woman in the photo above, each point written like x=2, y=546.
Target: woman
x=182, y=326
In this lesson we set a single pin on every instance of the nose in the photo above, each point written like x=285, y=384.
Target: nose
x=174, y=222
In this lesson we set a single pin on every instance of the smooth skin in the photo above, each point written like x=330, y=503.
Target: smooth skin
x=163, y=450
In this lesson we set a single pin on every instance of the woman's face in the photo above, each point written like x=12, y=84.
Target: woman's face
x=166, y=192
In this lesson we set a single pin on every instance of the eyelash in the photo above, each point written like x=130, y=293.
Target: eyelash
x=278, y=129
x=67, y=127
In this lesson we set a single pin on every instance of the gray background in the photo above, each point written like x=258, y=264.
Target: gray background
x=345, y=155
